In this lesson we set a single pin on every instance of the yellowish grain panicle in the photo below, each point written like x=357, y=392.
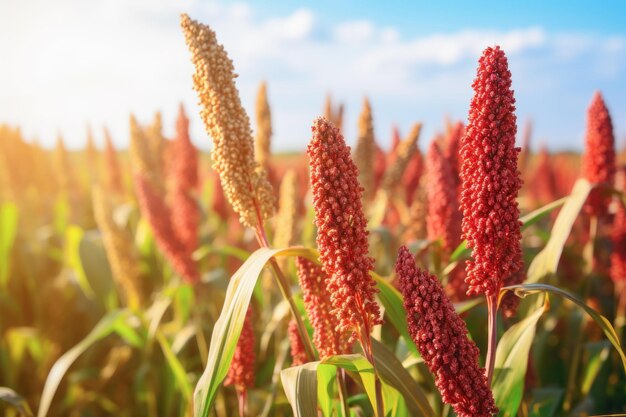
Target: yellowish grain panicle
x=405, y=152
x=246, y=188
x=365, y=151
x=119, y=249
x=286, y=219
x=262, y=142
x=143, y=159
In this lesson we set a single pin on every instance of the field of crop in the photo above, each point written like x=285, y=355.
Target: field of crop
x=475, y=278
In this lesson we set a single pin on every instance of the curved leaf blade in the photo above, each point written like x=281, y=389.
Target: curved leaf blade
x=15, y=400
x=547, y=261
x=106, y=326
x=526, y=289
x=230, y=322
x=511, y=363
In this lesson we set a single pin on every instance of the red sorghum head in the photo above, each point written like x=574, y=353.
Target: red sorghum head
x=241, y=371
x=184, y=173
x=443, y=218
x=298, y=352
x=342, y=230
x=412, y=175
x=543, y=187
x=158, y=214
x=453, y=148
x=441, y=337
x=618, y=234
x=490, y=178
x=599, y=156
x=327, y=338
x=185, y=169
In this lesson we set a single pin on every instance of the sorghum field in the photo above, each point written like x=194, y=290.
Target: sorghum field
x=475, y=278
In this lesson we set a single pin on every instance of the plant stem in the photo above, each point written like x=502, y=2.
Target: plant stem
x=343, y=392
x=620, y=314
x=492, y=309
x=283, y=284
x=241, y=396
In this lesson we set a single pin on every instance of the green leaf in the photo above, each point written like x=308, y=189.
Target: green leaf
x=394, y=309
x=8, y=231
x=307, y=385
x=392, y=372
x=547, y=261
x=598, y=354
x=73, y=237
x=105, y=327
x=206, y=250
x=17, y=401
x=545, y=402
x=228, y=326
x=462, y=251
x=175, y=366
x=511, y=362
x=536, y=215
x=527, y=289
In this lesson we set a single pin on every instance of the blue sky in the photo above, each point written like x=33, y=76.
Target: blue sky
x=73, y=63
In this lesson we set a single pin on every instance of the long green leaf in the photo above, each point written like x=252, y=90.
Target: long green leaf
x=526, y=289
x=545, y=402
x=73, y=237
x=15, y=400
x=106, y=326
x=8, y=231
x=535, y=215
x=392, y=371
x=598, y=353
x=175, y=366
x=394, y=309
x=511, y=362
x=547, y=261
x=228, y=326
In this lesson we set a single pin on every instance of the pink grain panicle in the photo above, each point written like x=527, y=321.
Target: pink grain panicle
x=441, y=337
x=618, y=234
x=298, y=352
x=490, y=178
x=241, y=371
x=184, y=173
x=443, y=217
x=327, y=338
x=598, y=164
x=158, y=214
x=543, y=187
x=342, y=230
x=412, y=175
x=453, y=148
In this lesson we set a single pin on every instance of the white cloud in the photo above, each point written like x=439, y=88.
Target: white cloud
x=70, y=63
x=354, y=32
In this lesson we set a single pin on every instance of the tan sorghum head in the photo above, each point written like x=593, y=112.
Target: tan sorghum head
x=263, y=137
x=405, y=151
x=287, y=211
x=143, y=159
x=365, y=151
x=119, y=249
x=228, y=124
